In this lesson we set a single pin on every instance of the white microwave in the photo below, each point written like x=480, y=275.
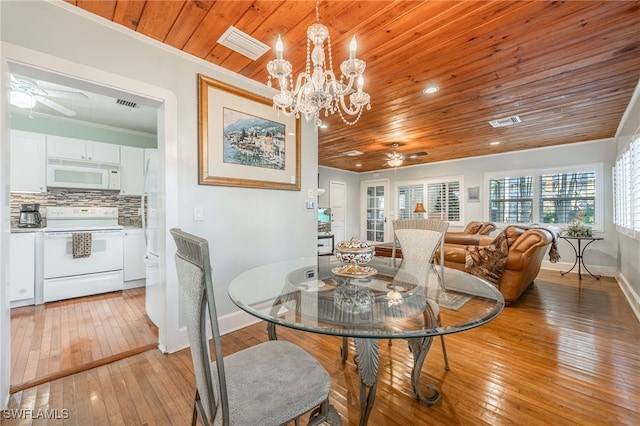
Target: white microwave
x=76, y=175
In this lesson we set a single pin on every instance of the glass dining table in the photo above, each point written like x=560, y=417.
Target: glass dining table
x=410, y=301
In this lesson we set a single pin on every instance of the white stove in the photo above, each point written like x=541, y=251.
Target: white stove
x=65, y=219
x=94, y=267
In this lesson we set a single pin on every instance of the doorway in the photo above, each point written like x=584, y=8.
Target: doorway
x=337, y=203
x=374, y=224
x=98, y=329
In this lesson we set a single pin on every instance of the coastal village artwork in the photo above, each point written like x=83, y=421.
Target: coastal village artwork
x=253, y=141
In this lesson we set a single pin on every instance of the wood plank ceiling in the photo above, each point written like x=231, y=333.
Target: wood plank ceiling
x=568, y=69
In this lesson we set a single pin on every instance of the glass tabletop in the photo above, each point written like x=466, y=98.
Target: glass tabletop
x=376, y=300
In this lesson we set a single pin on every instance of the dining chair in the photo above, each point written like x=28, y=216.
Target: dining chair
x=419, y=239
x=272, y=383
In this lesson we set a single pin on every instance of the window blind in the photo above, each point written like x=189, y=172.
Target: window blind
x=565, y=195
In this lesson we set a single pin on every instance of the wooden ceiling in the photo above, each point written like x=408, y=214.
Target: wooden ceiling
x=568, y=69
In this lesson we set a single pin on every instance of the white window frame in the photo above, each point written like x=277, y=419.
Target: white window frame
x=425, y=184
x=626, y=185
x=537, y=173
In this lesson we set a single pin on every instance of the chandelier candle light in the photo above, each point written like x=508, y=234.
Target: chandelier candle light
x=319, y=90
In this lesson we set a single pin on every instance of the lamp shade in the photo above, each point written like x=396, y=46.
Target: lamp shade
x=419, y=208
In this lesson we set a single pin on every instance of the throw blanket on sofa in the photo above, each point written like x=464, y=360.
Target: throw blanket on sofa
x=488, y=262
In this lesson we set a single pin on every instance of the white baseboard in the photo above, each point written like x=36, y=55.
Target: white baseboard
x=629, y=293
x=605, y=271
x=133, y=284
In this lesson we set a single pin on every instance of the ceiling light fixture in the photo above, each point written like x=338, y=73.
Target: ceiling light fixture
x=396, y=158
x=431, y=90
x=22, y=99
x=319, y=89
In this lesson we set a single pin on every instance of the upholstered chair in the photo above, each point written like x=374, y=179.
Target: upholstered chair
x=272, y=383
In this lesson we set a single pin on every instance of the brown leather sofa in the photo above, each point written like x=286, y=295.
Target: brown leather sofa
x=471, y=234
x=526, y=250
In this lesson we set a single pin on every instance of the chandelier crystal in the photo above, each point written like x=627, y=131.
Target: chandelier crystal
x=317, y=88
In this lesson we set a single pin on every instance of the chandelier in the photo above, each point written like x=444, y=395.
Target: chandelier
x=318, y=89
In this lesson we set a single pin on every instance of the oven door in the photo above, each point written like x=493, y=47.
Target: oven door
x=106, y=254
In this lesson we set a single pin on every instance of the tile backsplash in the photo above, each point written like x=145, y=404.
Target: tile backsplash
x=128, y=206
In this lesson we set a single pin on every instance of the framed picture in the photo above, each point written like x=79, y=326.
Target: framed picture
x=473, y=194
x=242, y=141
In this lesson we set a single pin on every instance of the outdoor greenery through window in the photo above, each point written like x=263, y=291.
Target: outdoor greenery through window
x=564, y=195
x=511, y=199
x=441, y=199
x=546, y=196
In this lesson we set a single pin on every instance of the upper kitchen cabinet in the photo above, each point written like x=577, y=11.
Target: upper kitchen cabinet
x=78, y=149
x=131, y=170
x=28, y=162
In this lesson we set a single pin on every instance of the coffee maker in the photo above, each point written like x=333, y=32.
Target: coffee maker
x=29, y=216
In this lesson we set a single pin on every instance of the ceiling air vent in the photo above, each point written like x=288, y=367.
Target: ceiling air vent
x=243, y=43
x=504, y=122
x=129, y=104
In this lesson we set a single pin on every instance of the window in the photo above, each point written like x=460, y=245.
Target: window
x=626, y=185
x=564, y=195
x=551, y=196
x=441, y=199
x=511, y=199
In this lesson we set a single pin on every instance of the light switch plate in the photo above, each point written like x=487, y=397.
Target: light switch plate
x=198, y=214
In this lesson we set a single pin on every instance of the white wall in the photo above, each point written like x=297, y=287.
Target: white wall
x=246, y=227
x=602, y=255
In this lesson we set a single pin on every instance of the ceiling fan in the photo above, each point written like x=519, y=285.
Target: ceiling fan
x=396, y=158
x=26, y=93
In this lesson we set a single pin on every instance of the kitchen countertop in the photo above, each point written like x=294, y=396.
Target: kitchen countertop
x=25, y=230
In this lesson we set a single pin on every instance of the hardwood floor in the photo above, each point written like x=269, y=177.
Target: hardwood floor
x=559, y=356
x=57, y=339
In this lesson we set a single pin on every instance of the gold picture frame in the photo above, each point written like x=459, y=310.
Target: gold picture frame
x=243, y=141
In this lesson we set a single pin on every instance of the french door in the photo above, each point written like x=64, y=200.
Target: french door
x=374, y=225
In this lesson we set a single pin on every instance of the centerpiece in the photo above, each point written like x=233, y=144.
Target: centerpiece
x=578, y=228
x=356, y=253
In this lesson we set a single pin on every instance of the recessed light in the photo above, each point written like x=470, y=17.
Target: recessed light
x=495, y=143
x=431, y=90
x=353, y=153
x=323, y=126
x=358, y=164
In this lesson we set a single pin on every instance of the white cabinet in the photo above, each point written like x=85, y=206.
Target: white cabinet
x=134, y=251
x=22, y=268
x=325, y=244
x=131, y=170
x=78, y=149
x=28, y=162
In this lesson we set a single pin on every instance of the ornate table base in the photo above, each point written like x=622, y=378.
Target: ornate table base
x=579, y=251
x=367, y=359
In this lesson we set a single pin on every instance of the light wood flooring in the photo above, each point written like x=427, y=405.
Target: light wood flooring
x=559, y=356
x=60, y=338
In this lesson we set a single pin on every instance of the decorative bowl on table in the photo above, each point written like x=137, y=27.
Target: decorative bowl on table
x=356, y=253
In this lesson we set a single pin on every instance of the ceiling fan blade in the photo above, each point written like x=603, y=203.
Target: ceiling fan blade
x=64, y=94
x=56, y=106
